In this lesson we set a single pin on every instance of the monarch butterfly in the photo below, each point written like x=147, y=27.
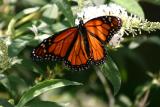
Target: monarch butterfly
x=79, y=46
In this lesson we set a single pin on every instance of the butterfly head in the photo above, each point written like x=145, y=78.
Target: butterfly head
x=81, y=22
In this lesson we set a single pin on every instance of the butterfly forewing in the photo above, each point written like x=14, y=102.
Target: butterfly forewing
x=55, y=47
x=103, y=28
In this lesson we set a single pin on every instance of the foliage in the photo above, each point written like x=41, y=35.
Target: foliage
x=132, y=70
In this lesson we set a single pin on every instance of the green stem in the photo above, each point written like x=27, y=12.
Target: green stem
x=106, y=88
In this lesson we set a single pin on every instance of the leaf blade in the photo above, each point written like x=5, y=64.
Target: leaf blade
x=110, y=70
x=66, y=9
x=156, y=2
x=43, y=87
x=132, y=6
x=43, y=104
x=5, y=103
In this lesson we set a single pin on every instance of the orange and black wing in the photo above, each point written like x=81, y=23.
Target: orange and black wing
x=99, y=32
x=78, y=59
x=67, y=45
x=55, y=47
x=81, y=46
x=104, y=27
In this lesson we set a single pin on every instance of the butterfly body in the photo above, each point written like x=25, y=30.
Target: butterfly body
x=79, y=46
x=83, y=32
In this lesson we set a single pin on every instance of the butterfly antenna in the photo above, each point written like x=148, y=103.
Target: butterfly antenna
x=104, y=11
x=84, y=15
x=109, y=13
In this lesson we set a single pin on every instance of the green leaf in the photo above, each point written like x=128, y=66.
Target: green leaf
x=131, y=6
x=12, y=83
x=98, y=2
x=13, y=22
x=43, y=87
x=19, y=44
x=5, y=103
x=156, y=2
x=2, y=76
x=66, y=9
x=42, y=104
x=34, y=2
x=154, y=40
x=125, y=101
x=111, y=71
x=51, y=12
x=138, y=42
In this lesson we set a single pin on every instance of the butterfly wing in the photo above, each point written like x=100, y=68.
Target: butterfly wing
x=78, y=58
x=99, y=32
x=97, y=51
x=79, y=47
x=55, y=47
x=67, y=45
x=104, y=27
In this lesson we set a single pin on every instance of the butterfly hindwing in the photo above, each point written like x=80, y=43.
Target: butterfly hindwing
x=97, y=51
x=78, y=58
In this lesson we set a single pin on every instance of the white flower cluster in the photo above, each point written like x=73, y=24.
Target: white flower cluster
x=91, y=12
x=117, y=38
x=130, y=23
x=111, y=9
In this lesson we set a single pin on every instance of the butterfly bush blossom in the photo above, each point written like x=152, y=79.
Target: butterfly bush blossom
x=6, y=61
x=130, y=23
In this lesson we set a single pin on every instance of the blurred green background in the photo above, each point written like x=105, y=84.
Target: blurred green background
x=138, y=59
